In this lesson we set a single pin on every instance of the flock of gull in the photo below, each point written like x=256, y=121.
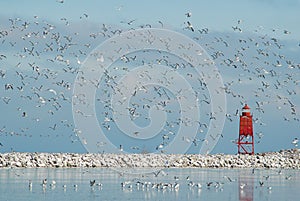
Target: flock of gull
x=173, y=184
x=39, y=61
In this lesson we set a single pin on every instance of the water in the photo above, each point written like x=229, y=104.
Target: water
x=74, y=184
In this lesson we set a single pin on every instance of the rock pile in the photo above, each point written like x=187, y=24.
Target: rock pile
x=289, y=159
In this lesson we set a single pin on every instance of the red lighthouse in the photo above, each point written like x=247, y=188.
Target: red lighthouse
x=246, y=140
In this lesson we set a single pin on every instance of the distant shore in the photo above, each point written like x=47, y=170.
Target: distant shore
x=285, y=159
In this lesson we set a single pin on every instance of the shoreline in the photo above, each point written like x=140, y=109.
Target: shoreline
x=284, y=159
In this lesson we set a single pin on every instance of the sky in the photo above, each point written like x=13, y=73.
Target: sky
x=254, y=46
x=217, y=15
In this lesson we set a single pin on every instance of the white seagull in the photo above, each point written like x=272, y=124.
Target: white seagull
x=295, y=142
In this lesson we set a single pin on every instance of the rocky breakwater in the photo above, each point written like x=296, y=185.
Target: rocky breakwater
x=289, y=159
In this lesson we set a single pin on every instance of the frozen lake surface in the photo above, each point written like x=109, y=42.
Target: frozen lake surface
x=166, y=184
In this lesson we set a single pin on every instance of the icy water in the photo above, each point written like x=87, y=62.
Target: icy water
x=216, y=184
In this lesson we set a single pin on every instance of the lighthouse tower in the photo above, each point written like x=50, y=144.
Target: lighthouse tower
x=246, y=140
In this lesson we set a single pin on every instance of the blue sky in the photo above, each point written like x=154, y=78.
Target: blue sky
x=260, y=21
x=218, y=15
